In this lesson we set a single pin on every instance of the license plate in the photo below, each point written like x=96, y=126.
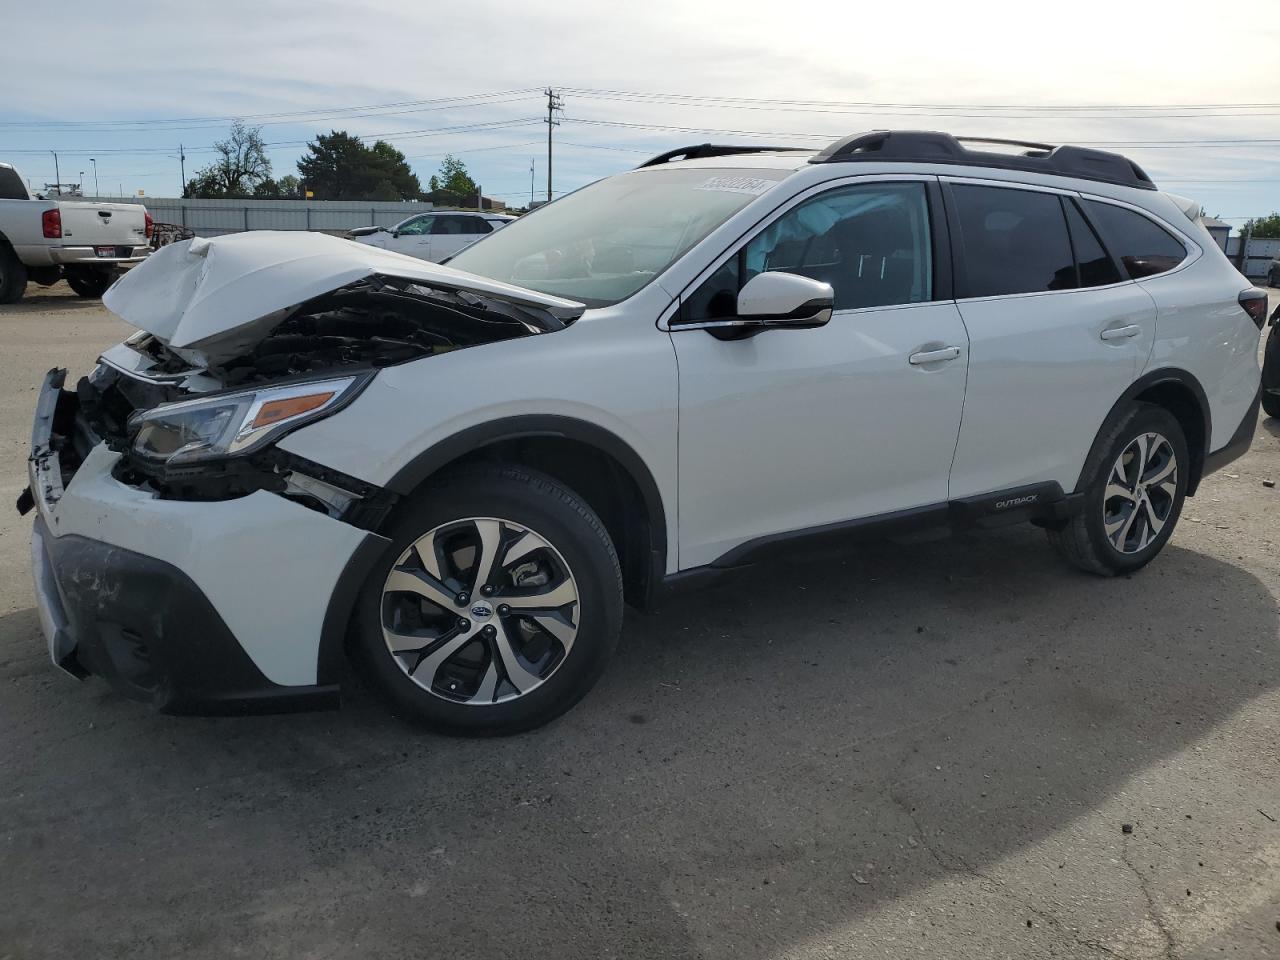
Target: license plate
x=105, y=251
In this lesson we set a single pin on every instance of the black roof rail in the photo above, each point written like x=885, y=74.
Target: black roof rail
x=925, y=146
x=700, y=150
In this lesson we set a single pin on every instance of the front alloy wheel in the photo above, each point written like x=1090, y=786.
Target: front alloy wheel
x=480, y=611
x=496, y=605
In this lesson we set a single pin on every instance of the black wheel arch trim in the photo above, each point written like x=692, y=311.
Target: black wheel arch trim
x=523, y=426
x=1154, y=378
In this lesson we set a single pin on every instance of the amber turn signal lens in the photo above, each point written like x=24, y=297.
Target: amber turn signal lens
x=276, y=410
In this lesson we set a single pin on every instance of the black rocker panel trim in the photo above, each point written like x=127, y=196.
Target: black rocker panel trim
x=1043, y=502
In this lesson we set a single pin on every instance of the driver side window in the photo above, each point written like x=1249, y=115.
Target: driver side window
x=416, y=228
x=871, y=242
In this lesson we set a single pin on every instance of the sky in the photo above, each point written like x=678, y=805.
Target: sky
x=127, y=82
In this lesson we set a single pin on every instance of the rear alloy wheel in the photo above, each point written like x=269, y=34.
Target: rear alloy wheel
x=1140, y=494
x=90, y=282
x=498, y=606
x=1133, y=483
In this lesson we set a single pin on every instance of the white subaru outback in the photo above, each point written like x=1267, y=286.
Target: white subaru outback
x=460, y=473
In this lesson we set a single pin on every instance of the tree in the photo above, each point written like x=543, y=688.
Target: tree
x=286, y=188
x=453, y=178
x=1267, y=228
x=339, y=166
x=241, y=166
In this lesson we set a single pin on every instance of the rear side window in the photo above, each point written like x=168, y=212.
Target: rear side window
x=1144, y=248
x=1014, y=241
x=454, y=225
x=11, y=185
x=1096, y=266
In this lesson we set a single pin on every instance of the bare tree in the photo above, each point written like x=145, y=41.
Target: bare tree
x=241, y=166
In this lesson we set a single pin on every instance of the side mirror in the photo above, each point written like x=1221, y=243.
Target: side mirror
x=776, y=299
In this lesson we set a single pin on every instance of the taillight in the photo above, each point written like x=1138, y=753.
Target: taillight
x=1254, y=302
x=51, y=220
x=151, y=224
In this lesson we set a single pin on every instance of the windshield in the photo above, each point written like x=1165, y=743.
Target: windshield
x=603, y=243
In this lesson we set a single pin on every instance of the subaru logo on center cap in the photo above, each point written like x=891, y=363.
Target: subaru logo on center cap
x=482, y=611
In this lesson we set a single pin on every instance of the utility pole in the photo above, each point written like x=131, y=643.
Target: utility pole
x=182, y=162
x=531, y=187
x=553, y=104
x=58, y=176
x=96, y=190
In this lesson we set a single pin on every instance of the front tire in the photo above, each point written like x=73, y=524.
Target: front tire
x=496, y=607
x=90, y=282
x=1134, y=483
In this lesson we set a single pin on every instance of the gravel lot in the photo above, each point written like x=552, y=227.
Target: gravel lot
x=926, y=751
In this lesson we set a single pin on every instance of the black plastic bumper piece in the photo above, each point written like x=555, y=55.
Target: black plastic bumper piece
x=146, y=628
x=1240, y=441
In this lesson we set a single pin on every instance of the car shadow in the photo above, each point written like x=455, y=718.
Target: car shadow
x=37, y=302
x=763, y=763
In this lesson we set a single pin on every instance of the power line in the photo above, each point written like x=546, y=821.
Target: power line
x=400, y=134
x=597, y=92
x=264, y=119
x=833, y=136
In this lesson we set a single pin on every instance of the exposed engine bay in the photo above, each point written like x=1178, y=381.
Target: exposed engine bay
x=364, y=326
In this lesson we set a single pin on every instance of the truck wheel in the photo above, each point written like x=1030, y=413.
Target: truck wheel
x=90, y=282
x=13, y=275
x=496, y=607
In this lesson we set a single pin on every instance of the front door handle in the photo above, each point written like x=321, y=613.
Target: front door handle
x=933, y=356
x=1121, y=333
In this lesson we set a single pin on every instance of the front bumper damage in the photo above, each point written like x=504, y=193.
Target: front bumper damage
x=227, y=606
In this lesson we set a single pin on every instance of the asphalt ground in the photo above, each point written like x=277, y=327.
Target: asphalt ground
x=927, y=750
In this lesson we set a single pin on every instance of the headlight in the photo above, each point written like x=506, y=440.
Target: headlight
x=233, y=424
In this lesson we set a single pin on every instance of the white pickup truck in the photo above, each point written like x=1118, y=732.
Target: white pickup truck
x=87, y=243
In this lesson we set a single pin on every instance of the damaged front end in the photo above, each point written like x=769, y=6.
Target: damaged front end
x=195, y=402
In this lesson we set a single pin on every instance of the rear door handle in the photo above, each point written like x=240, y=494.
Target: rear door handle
x=933, y=356
x=1121, y=333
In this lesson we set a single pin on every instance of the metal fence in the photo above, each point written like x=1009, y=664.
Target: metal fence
x=1258, y=255
x=212, y=218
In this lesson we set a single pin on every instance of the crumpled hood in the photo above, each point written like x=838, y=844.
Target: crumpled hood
x=219, y=297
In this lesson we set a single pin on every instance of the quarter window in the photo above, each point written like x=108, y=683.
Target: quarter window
x=1014, y=241
x=1095, y=264
x=1144, y=248
x=870, y=242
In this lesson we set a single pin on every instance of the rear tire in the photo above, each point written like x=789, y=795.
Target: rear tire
x=1134, y=483
x=90, y=282
x=13, y=275
x=496, y=607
